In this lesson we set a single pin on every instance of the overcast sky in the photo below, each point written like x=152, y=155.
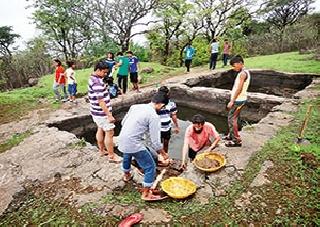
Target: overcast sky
x=14, y=13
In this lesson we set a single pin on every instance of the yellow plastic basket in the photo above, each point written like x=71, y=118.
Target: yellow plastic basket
x=211, y=155
x=178, y=187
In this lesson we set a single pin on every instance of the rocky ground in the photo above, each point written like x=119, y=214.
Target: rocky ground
x=58, y=165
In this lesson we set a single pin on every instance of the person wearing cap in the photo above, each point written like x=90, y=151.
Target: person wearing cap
x=198, y=136
x=142, y=119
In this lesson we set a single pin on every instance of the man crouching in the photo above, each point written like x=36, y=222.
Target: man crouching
x=142, y=119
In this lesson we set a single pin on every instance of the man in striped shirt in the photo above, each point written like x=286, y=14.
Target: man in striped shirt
x=101, y=110
x=166, y=114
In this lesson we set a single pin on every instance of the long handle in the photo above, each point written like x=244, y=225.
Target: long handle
x=158, y=179
x=305, y=122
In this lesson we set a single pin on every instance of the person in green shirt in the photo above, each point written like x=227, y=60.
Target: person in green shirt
x=123, y=64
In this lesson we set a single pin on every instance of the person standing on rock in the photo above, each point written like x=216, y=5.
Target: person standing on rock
x=168, y=113
x=142, y=119
x=59, y=81
x=237, y=100
x=189, y=52
x=198, y=136
x=123, y=64
x=214, y=47
x=111, y=64
x=101, y=111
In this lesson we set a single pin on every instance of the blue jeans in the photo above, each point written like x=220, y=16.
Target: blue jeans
x=145, y=161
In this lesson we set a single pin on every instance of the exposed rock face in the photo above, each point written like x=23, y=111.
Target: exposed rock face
x=33, y=81
x=50, y=152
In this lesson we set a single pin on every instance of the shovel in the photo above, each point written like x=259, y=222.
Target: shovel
x=304, y=125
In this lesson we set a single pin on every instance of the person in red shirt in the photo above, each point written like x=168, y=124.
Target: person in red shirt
x=198, y=136
x=59, y=81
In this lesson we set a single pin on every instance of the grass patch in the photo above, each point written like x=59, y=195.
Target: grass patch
x=285, y=62
x=13, y=141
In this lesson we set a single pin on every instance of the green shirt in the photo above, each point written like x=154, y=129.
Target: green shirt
x=124, y=67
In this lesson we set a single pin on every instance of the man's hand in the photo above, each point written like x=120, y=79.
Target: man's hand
x=111, y=119
x=164, y=154
x=183, y=166
x=176, y=130
x=230, y=105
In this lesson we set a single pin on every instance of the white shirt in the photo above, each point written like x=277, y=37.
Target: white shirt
x=243, y=94
x=214, y=47
x=71, y=76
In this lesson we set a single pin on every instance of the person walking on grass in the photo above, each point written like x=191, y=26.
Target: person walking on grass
x=168, y=113
x=59, y=81
x=226, y=52
x=189, y=52
x=142, y=119
x=123, y=64
x=101, y=111
x=71, y=80
x=237, y=101
x=214, y=47
x=134, y=63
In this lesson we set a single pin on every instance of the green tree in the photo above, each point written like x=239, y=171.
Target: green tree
x=7, y=38
x=64, y=25
x=282, y=13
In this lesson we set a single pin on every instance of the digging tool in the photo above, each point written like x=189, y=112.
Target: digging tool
x=304, y=125
x=158, y=179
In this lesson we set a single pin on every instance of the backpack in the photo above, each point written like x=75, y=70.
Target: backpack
x=113, y=90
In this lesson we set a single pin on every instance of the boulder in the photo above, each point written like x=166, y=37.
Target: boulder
x=32, y=81
x=147, y=70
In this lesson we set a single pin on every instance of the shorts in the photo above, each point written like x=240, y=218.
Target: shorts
x=72, y=89
x=192, y=154
x=102, y=122
x=134, y=77
x=166, y=135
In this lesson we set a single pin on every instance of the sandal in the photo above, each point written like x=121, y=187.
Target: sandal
x=127, y=178
x=152, y=198
x=232, y=144
x=131, y=220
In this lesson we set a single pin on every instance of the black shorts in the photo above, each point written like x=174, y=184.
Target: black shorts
x=192, y=154
x=134, y=77
x=166, y=135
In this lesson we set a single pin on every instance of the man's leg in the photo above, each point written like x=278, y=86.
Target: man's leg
x=100, y=140
x=125, y=84
x=214, y=60
x=56, y=90
x=233, y=116
x=225, y=59
x=108, y=141
x=126, y=166
x=211, y=61
x=119, y=81
x=146, y=162
x=63, y=87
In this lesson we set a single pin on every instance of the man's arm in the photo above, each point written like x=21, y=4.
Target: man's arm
x=174, y=118
x=105, y=109
x=184, y=152
x=154, y=131
x=243, y=77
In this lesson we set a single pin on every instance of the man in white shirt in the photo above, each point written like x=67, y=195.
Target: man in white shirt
x=214, y=47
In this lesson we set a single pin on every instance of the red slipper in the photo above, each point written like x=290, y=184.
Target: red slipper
x=154, y=198
x=131, y=220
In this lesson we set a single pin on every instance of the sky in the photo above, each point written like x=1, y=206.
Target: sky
x=14, y=13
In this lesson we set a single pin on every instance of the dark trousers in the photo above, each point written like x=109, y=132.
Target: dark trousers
x=213, y=60
x=234, y=120
x=225, y=59
x=188, y=63
x=123, y=83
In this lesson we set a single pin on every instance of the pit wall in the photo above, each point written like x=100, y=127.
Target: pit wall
x=262, y=81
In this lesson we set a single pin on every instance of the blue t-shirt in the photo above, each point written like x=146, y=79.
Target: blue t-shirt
x=189, y=52
x=111, y=63
x=133, y=64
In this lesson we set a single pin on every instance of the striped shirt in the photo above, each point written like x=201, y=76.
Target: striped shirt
x=97, y=90
x=165, y=116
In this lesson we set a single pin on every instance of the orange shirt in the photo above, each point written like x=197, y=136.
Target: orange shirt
x=60, y=73
x=198, y=141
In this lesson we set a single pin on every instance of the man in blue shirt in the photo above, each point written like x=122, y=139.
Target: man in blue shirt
x=133, y=60
x=189, y=52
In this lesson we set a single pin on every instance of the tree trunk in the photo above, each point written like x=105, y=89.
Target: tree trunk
x=166, y=52
x=282, y=32
x=181, y=54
